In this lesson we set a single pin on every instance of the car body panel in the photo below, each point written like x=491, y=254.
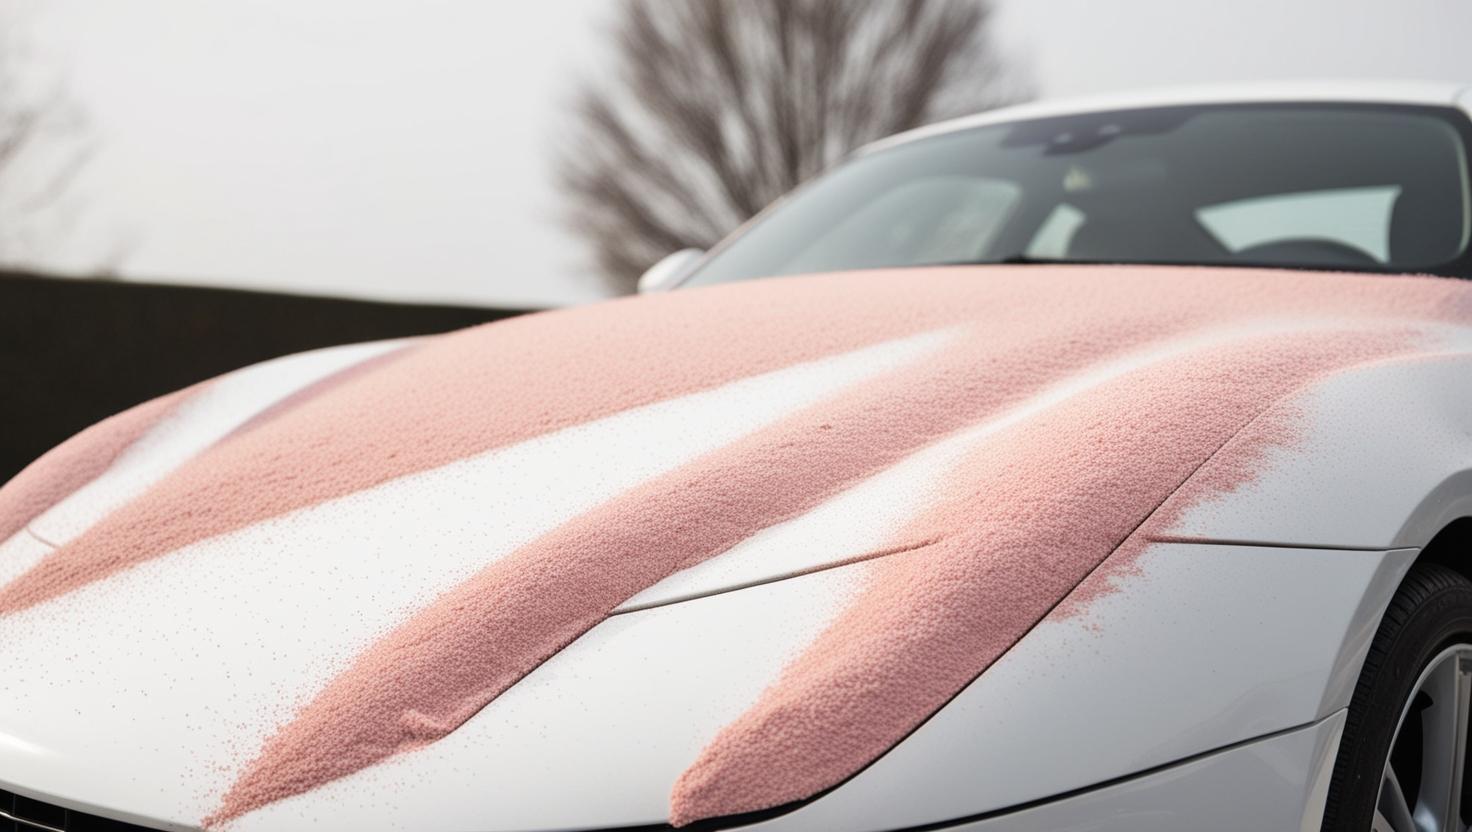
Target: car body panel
x=1148, y=677
x=1278, y=782
x=597, y=735
x=1388, y=463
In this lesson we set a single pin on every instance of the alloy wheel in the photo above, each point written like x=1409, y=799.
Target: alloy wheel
x=1424, y=779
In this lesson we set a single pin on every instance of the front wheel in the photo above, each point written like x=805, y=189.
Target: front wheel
x=1403, y=759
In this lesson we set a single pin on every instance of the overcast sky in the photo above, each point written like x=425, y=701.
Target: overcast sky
x=402, y=148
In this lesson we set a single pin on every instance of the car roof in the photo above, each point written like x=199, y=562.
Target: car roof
x=1425, y=93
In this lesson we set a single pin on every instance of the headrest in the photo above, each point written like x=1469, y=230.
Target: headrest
x=1427, y=225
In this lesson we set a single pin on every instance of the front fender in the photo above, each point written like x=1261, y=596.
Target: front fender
x=1196, y=649
x=1382, y=458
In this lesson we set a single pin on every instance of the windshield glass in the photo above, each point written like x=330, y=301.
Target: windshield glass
x=1319, y=186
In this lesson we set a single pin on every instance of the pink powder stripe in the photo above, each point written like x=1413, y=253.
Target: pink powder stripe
x=1030, y=515
x=321, y=387
x=77, y=461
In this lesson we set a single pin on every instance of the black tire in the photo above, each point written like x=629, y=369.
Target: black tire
x=1431, y=611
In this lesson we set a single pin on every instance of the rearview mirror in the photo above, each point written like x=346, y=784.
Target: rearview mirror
x=668, y=272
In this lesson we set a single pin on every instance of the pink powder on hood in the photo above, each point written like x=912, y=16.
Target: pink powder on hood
x=76, y=462
x=444, y=664
x=1031, y=515
x=461, y=394
x=441, y=667
x=486, y=387
x=1233, y=465
x=323, y=385
x=1109, y=453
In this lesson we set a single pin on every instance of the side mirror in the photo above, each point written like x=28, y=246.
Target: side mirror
x=668, y=272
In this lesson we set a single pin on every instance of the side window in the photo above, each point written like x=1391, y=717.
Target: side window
x=1355, y=217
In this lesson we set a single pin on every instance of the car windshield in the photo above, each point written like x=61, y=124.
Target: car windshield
x=1380, y=188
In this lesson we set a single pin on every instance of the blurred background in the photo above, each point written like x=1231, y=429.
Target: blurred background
x=188, y=186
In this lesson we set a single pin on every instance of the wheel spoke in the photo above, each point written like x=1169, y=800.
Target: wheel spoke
x=1461, y=702
x=1431, y=738
x=1444, y=738
x=1394, y=812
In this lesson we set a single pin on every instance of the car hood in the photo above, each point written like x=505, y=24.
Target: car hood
x=339, y=567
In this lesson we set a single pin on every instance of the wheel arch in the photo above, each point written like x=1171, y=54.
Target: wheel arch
x=1449, y=547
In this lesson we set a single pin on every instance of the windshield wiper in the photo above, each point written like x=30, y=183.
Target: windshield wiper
x=1012, y=260
x=1028, y=259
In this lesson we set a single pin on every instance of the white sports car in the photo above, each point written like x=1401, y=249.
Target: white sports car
x=1103, y=466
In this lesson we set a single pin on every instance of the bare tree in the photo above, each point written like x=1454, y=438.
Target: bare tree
x=718, y=107
x=42, y=148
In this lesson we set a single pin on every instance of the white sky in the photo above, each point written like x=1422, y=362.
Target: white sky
x=403, y=148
